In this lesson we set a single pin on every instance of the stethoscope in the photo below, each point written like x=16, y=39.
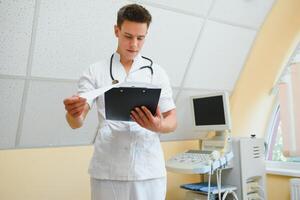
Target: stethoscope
x=114, y=81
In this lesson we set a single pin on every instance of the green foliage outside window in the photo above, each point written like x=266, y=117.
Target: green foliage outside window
x=277, y=149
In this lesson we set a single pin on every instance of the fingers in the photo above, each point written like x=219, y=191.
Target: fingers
x=78, y=108
x=148, y=114
x=76, y=114
x=138, y=116
x=75, y=105
x=143, y=116
x=73, y=99
x=146, y=119
x=137, y=119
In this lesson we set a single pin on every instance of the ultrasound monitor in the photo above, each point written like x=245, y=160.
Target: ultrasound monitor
x=211, y=112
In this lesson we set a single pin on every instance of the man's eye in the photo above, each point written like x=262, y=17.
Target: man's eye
x=127, y=36
x=140, y=38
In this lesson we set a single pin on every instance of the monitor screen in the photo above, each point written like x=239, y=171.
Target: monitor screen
x=211, y=112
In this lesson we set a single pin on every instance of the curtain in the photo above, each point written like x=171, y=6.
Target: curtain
x=289, y=99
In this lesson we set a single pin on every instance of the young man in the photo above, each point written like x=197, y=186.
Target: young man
x=128, y=161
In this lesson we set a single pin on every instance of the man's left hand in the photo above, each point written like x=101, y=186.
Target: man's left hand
x=144, y=118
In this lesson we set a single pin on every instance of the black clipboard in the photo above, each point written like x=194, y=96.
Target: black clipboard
x=120, y=101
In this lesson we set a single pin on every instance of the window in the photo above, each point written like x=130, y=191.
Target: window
x=277, y=163
x=284, y=131
x=275, y=142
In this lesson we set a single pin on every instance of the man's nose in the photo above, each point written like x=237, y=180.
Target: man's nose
x=134, y=42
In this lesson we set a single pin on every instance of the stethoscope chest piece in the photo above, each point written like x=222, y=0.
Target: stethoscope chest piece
x=115, y=81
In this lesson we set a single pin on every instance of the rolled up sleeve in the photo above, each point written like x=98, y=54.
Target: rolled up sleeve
x=166, y=102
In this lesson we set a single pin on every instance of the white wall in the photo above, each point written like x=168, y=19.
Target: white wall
x=45, y=46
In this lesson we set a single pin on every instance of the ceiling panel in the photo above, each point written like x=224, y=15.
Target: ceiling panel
x=250, y=13
x=16, y=19
x=171, y=40
x=196, y=7
x=44, y=118
x=71, y=35
x=220, y=56
x=11, y=92
x=185, y=129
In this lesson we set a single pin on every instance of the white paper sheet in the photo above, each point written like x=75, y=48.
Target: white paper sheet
x=91, y=95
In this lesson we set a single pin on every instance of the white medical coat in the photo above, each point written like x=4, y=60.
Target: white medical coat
x=125, y=150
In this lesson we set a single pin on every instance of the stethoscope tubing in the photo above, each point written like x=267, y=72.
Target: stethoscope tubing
x=114, y=81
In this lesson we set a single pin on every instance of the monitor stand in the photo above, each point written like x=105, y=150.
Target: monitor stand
x=220, y=141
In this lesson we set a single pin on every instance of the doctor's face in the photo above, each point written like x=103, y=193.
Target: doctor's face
x=131, y=38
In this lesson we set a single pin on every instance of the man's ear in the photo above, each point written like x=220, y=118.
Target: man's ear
x=117, y=30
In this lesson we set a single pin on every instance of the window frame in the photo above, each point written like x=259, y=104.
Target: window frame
x=278, y=167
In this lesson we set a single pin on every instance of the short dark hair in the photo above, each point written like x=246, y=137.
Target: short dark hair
x=134, y=13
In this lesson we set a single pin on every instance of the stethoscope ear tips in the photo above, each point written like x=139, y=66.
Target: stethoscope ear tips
x=115, y=81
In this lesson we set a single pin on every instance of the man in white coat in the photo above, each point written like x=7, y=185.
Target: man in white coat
x=128, y=162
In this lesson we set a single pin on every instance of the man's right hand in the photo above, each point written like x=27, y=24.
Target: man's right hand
x=75, y=105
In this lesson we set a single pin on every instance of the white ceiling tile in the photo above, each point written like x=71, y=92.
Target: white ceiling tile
x=196, y=7
x=185, y=129
x=11, y=92
x=250, y=13
x=171, y=40
x=220, y=56
x=16, y=20
x=44, y=118
x=71, y=35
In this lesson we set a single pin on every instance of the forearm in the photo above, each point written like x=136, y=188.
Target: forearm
x=168, y=124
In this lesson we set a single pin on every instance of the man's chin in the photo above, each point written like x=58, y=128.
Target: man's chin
x=131, y=56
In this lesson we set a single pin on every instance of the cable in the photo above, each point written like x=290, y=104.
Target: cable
x=234, y=194
x=225, y=194
x=208, y=192
x=219, y=182
x=209, y=178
